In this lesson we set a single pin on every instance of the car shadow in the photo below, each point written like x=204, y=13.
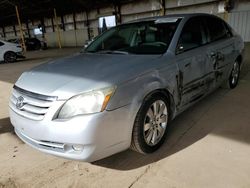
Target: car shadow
x=5, y=126
x=183, y=131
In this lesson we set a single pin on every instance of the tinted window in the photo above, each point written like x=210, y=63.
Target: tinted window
x=1, y=44
x=216, y=29
x=191, y=36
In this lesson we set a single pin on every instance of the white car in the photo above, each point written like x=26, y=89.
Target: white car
x=9, y=52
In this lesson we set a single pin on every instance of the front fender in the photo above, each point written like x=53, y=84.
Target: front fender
x=132, y=92
x=135, y=90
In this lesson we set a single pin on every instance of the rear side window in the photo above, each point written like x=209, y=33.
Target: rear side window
x=228, y=30
x=216, y=29
x=1, y=44
x=191, y=36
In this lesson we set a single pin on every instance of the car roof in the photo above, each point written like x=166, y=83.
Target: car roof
x=174, y=16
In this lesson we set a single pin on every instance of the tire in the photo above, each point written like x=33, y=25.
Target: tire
x=233, y=79
x=10, y=57
x=150, y=126
x=37, y=46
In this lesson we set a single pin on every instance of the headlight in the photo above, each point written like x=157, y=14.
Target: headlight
x=86, y=103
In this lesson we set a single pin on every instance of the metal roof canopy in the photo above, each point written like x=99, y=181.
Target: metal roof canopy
x=37, y=9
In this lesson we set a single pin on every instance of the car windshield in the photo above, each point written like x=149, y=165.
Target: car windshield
x=150, y=37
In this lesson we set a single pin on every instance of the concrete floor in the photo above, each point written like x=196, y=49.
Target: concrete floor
x=207, y=146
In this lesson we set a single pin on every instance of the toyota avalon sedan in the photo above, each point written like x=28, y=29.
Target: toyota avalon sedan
x=126, y=87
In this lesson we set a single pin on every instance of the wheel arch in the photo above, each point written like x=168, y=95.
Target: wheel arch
x=166, y=93
x=7, y=51
x=239, y=59
x=136, y=140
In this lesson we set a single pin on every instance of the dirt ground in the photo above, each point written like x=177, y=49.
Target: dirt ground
x=207, y=146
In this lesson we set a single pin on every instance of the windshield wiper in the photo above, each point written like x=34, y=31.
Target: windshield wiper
x=112, y=52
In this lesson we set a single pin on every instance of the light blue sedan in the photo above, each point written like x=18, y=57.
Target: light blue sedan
x=126, y=87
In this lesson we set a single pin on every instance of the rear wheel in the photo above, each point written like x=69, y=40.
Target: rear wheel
x=234, y=76
x=37, y=46
x=10, y=57
x=150, y=125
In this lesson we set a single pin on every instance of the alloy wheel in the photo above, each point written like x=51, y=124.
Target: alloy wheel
x=155, y=123
x=235, y=73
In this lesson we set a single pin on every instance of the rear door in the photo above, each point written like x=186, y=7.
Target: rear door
x=220, y=49
x=191, y=59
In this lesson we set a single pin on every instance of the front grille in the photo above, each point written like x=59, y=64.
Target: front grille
x=30, y=105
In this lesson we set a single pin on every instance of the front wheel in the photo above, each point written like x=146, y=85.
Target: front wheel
x=150, y=127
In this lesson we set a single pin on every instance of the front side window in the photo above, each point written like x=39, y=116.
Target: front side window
x=1, y=44
x=191, y=36
x=150, y=37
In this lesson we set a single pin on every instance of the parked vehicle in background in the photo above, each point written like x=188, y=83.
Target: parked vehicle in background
x=126, y=87
x=10, y=52
x=30, y=43
x=33, y=44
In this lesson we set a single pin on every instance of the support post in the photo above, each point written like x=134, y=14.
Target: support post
x=21, y=29
x=4, y=34
x=74, y=21
x=57, y=30
x=163, y=9
x=28, y=29
x=118, y=15
x=43, y=25
x=225, y=16
x=63, y=24
x=14, y=28
x=44, y=43
x=87, y=23
x=53, y=26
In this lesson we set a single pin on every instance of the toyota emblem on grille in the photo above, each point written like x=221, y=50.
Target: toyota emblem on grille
x=20, y=102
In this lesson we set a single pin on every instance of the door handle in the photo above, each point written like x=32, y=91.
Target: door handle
x=187, y=65
x=220, y=56
x=213, y=54
x=217, y=55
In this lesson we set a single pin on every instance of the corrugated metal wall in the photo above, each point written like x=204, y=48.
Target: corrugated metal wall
x=240, y=21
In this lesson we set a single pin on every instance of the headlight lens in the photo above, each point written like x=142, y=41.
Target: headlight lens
x=86, y=103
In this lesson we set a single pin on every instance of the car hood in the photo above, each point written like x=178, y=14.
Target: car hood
x=84, y=72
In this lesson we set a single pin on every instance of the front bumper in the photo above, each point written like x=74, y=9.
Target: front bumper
x=20, y=55
x=100, y=134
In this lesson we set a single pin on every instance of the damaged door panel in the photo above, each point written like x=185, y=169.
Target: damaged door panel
x=220, y=50
x=191, y=60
